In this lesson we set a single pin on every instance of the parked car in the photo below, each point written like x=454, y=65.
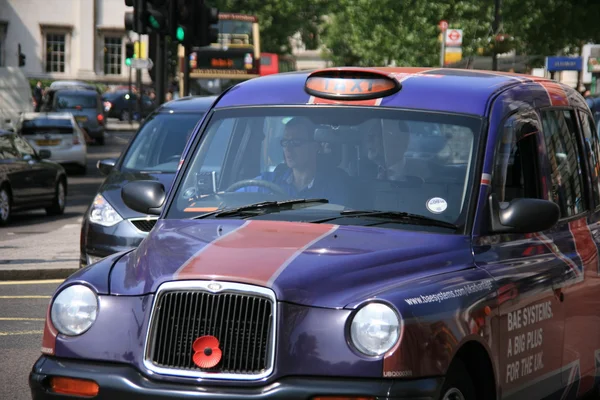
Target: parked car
x=122, y=105
x=278, y=270
x=85, y=105
x=61, y=84
x=59, y=133
x=28, y=180
x=109, y=226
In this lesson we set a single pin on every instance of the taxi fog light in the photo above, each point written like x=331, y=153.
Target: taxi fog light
x=74, y=310
x=102, y=213
x=73, y=386
x=375, y=329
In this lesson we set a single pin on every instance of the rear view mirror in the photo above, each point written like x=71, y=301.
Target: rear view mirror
x=523, y=215
x=106, y=165
x=44, y=154
x=146, y=197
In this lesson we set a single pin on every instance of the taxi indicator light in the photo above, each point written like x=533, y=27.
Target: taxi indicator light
x=350, y=85
x=74, y=386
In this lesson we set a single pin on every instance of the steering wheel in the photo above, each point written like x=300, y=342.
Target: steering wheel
x=257, y=182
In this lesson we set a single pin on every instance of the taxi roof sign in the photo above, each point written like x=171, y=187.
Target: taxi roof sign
x=351, y=84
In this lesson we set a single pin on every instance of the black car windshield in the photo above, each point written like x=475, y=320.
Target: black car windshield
x=67, y=101
x=46, y=125
x=158, y=145
x=358, y=158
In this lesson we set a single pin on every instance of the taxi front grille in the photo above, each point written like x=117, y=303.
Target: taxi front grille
x=242, y=323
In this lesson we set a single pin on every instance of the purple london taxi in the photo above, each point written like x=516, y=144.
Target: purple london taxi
x=353, y=234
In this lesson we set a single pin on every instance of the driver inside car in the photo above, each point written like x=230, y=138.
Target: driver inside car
x=304, y=174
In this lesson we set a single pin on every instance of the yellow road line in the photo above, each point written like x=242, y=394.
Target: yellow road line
x=20, y=319
x=21, y=333
x=38, y=282
x=25, y=297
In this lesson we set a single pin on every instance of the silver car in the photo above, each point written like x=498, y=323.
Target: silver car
x=57, y=132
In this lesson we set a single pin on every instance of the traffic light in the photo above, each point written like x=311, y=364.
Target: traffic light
x=208, y=16
x=155, y=16
x=21, y=57
x=192, y=20
x=129, y=53
x=134, y=20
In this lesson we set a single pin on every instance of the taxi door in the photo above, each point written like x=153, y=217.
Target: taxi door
x=529, y=324
x=570, y=145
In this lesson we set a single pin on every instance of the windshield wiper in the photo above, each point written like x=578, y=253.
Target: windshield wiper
x=396, y=216
x=267, y=206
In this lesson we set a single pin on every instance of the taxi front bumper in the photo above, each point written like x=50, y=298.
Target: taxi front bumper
x=118, y=381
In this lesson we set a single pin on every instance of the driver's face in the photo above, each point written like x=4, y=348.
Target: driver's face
x=299, y=148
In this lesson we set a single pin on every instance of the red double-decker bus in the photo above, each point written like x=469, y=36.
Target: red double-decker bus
x=234, y=58
x=271, y=63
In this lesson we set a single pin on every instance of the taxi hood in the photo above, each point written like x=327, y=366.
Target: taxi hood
x=312, y=264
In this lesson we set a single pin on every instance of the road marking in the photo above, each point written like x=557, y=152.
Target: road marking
x=21, y=333
x=25, y=297
x=21, y=319
x=71, y=226
x=38, y=282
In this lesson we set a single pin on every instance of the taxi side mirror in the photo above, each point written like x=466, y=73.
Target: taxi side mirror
x=146, y=197
x=523, y=215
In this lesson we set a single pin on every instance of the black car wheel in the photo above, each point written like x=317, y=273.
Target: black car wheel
x=60, y=199
x=5, y=205
x=458, y=384
x=124, y=115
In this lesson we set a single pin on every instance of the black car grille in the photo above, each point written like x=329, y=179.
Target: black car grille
x=144, y=225
x=242, y=324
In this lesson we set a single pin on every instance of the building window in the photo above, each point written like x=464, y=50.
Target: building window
x=3, y=26
x=113, y=54
x=55, y=52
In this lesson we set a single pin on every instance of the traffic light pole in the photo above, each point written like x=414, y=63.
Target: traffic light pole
x=160, y=68
x=138, y=78
x=128, y=102
x=186, y=71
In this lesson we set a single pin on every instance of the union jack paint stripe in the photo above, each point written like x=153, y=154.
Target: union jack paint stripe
x=584, y=245
x=256, y=252
x=486, y=179
x=556, y=93
x=549, y=243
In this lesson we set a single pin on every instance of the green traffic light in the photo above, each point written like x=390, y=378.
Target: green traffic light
x=153, y=22
x=128, y=62
x=180, y=34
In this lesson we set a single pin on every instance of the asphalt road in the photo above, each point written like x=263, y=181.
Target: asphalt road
x=23, y=307
x=23, y=304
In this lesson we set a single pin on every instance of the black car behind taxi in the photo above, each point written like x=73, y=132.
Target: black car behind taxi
x=28, y=180
x=109, y=226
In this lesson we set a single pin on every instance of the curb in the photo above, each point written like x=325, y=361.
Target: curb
x=33, y=274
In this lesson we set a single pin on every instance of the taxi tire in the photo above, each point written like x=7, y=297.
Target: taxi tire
x=4, y=191
x=458, y=384
x=56, y=208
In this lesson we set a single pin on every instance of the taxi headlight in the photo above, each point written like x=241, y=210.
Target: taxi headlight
x=375, y=329
x=103, y=213
x=74, y=310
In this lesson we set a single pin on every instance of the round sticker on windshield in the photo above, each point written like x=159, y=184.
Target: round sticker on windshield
x=437, y=205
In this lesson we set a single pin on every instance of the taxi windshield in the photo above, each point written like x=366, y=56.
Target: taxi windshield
x=351, y=158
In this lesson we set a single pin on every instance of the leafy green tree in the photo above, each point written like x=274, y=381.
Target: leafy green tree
x=279, y=20
x=365, y=32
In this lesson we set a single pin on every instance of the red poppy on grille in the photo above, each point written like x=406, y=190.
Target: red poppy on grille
x=206, y=351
